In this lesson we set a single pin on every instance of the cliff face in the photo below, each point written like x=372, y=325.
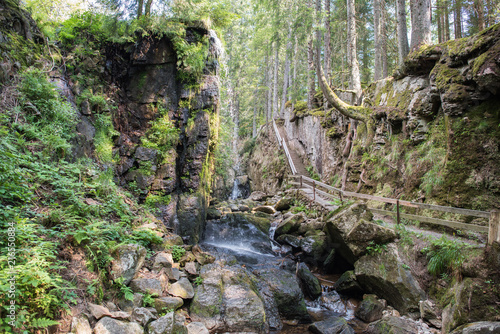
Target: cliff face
x=437, y=135
x=166, y=131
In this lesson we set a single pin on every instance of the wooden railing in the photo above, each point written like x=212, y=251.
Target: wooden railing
x=282, y=143
x=494, y=216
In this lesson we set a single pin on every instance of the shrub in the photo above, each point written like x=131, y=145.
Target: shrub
x=446, y=256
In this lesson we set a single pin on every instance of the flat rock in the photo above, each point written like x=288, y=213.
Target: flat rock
x=168, y=324
x=332, y=325
x=168, y=303
x=265, y=208
x=182, y=288
x=98, y=311
x=394, y=325
x=150, y=286
x=482, y=327
x=197, y=328
x=143, y=316
x=290, y=225
x=190, y=268
x=80, y=325
x=258, y=196
x=112, y=326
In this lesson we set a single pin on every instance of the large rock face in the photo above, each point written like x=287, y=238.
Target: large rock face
x=384, y=274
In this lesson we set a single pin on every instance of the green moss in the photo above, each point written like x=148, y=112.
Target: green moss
x=445, y=76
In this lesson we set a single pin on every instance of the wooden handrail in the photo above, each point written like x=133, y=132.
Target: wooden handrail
x=494, y=216
x=282, y=143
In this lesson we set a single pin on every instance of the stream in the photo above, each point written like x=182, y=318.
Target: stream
x=233, y=236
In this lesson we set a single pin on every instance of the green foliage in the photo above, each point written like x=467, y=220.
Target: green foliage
x=373, y=248
x=123, y=290
x=177, y=252
x=312, y=173
x=198, y=280
x=162, y=134
x=148, y=300
x=144, y=237
x=154, y=200
x=446, y=256
x=103, y=139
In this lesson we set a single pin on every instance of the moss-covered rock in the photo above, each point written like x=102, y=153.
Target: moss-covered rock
x=290, y=225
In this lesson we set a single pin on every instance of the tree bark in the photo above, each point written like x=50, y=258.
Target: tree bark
x=147, y=11
x=383, y=39
x=310, y=77
x=439, y=19
x=328, y=48
x=446, y=21
x=479, y=4
x=377, y=70
x=355, y=80
x=420, y=23
x=275, y=79
x=457, y=12
x=287, y=71
x=139, y=8
x=295, y=64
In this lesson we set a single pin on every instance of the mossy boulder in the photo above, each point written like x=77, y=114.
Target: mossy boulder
x=392, y=325
x=348, y=285
x=290, y=225
x=191, y=214
x=370, y=309
x=310, y=283
x=128, y=260
x=332, y=325
x=481, y=327
x=385, y=275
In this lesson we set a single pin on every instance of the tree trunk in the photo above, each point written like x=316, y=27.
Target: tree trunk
x=148, y=8
x=352, y=59
x=254, y=121
x=295, y=64
x=446, y=21
x=479, y=4
x=457, y=12
x=377, y=70
x=383, y=39
x=420, y=23
x=275, y=79
x=310, y=77
x=328, y=48
x=439, y=20
x=287, y=70
x=139, y=8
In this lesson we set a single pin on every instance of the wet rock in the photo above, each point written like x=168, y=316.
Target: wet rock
x=226, y=301
x=284, y=204
x=314, y=247
x=172, y=240
x=332, y=325
x=291, y=224
x=348, y=285
x=197, y=328
x=384, y=274
x=258, y=196
x=370, y=309
x=163, y=304
x=392, y=325
x=112, y=326
x=80, y=325
x=265, y=208
x=130, y=305
x=150, y=286
x=202, y=257
x=128, y=260
x=143, y=316
x=287, y=293
x=182, y=288
x=310, y=283
x=481, y=327
x=289, y=240
x=429, y=314
x=191, y=215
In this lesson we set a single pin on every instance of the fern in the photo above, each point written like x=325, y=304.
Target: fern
x=42, y=323
x=446, y=256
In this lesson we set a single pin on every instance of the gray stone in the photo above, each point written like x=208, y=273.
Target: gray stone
x=197, y=328
x=168, y=324
x=143, y=316
x=128, y=260
x=164, y=261
x=384, y=274
x=172, y=240
x=392, y=325
x=130, y=305
x=190, y=268
x=332, y=325
x=283, y=204
x=482, y=327
x=429, y=314
x=258, y=196
x=370, y=309
x=112, y=326
x=191, y=215
x=150, y=286
x=310, y=283
x=98, y=311
x=182, y=288
x=289, y=239
x=168, y=303
x=243, y=208
x=80, y=325
x=213, y=213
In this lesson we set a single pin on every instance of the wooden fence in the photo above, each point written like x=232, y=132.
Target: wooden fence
x=282, y=143
x=325, y=190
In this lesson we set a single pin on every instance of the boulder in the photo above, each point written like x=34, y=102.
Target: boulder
x=197, y=328
x=167, y=324
x=310, y=283
x=112, y=326
x=287, y=293
x=314, y=247
x=150, y=286
x=429, y=314
x=265, y=208
x=202, y=257
x=80, y=325
x=129, y=305
x=243, y=208
x=163, y=260
x=213, y=213
x=190, y=268
x=365, y=233
x=289, y=239
x=481, y=327
x=227, y=302
x=98, y=311
x=143, y=316
x=385, y=275
x=258, y=196
x=348, y=285
x=332, y=325
x=163, y=304
x=290, y=225
x=370, y=309
x=182, y=288
x=392, y=325
x=128, y=260
x=284, y=204
x=191, y=214
x=172, y=240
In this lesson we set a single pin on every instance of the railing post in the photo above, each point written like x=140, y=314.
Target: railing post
x=301, y=181
x=397, y=209
x=341, y=198
x=494, y=231
x=314, y=190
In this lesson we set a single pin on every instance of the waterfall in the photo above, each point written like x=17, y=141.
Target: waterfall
x=236, y=193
